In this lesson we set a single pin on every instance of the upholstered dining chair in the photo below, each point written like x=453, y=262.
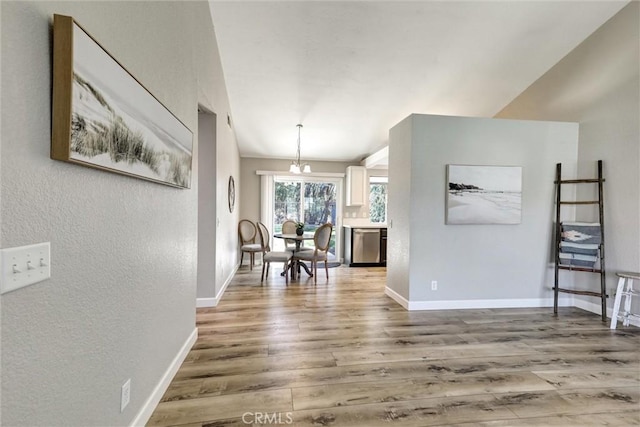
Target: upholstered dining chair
x=247, y=236
x=289, y=227
x=322, y=240
x=269, y=256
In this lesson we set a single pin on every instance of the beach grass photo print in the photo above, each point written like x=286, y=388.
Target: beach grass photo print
x=104, y=118
x=484, y=194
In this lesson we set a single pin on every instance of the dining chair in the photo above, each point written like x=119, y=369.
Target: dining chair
x=247, y=236
x=289, y=227
x=269, y=256
x=322, y=240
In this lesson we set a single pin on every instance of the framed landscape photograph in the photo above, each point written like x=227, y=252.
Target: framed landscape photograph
x=104, y=118
x=484, y=194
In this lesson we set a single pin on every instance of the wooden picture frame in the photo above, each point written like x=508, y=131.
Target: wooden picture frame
x=104, y=118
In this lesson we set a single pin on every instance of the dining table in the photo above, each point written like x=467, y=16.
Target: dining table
x=296, y=264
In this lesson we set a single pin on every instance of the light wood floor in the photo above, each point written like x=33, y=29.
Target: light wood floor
x=343, y=354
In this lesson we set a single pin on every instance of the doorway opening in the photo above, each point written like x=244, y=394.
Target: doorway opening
x=206, y=288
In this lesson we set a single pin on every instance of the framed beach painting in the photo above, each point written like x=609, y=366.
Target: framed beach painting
x=106, y=119
x=484, y=194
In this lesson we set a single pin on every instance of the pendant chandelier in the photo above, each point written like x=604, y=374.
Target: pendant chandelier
x=296, y=167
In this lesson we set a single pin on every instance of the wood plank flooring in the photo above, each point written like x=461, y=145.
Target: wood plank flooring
x=341, y=353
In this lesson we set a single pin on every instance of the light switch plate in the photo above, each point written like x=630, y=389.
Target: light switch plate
x=24, y=265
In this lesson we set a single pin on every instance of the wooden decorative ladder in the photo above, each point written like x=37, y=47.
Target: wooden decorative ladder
x=601, y=270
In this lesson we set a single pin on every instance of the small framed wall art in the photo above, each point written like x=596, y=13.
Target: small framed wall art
x=231, y=193
x=104, y=118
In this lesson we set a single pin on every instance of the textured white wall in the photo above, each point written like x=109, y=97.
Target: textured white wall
x=598, y=86
x=212, y=94
x=120, y=302
x=479, y=262
x=1, y=246
x=399, y=237
x=228, y=164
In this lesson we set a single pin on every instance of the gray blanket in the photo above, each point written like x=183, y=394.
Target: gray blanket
x=578, y=260
x=582, y=232
x=579, y=248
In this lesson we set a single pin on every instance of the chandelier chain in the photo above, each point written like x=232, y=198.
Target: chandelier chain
x=296, y=166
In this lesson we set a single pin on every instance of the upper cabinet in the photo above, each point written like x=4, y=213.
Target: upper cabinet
x=356, y=186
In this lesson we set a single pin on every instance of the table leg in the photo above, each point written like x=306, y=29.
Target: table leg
x=309, y=272
x=299, y=263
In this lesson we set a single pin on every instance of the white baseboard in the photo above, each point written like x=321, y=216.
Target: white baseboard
x=487, y=303
x=206, y=302
x=595, y=308
x=152, y=401
x=589, y=306
x=475, y=303
x=499, y=303
x=396, y=297
x=212, y=302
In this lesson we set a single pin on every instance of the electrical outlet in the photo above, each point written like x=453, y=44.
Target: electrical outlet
x=434, y=285
x=125, y=395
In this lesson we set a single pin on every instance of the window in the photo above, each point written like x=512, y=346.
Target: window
x=378, y=198
x=310, y=200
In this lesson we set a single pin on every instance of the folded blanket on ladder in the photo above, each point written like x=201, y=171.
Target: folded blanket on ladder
x=579, y=248
x=581, y=232
x=578, y=260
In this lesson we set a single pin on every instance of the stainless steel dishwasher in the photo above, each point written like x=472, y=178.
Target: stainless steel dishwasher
x=366, y=245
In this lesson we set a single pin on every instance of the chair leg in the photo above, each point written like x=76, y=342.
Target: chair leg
x=241, y=257
x=315, y=272
x=262, y=277
x=326, y=268
x=627, y=302
x=616, y=305
x=251, y=258
x=286, y=273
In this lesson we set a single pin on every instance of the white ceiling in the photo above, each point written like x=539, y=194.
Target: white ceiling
x=349, y=71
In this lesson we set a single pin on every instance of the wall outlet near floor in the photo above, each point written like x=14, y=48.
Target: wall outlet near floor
x=125, y=395
x=434, y=285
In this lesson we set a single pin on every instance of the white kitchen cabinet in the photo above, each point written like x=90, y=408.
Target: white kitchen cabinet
x=356, y=186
